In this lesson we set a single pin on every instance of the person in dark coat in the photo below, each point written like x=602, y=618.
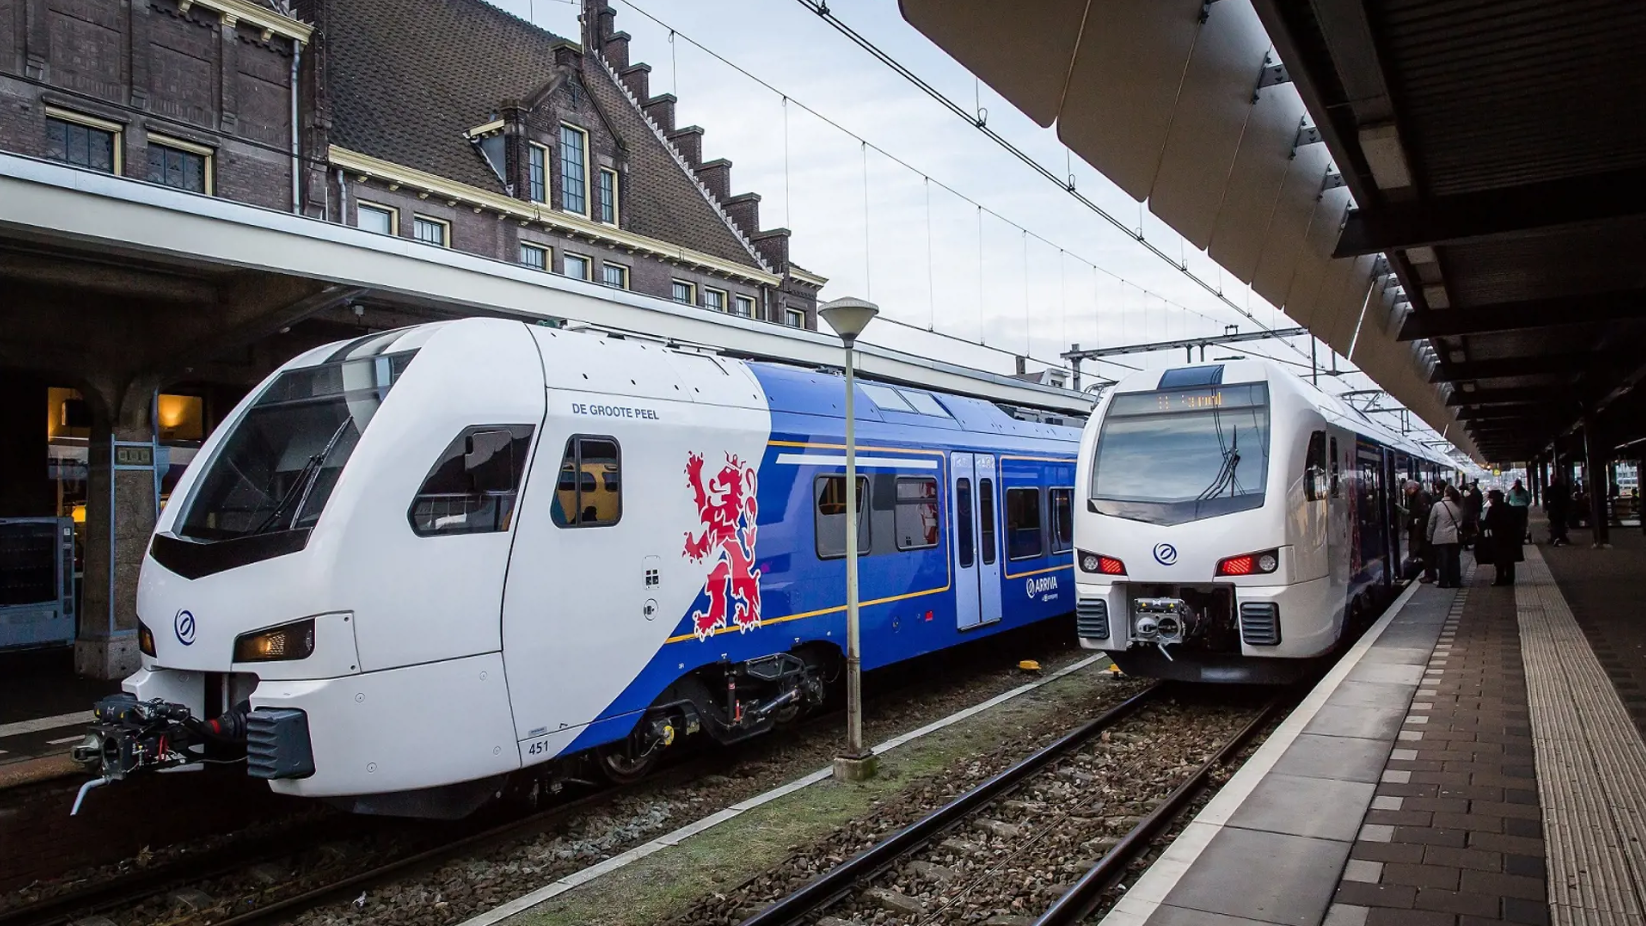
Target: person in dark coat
x=1557, y=502
x=1473, y=503
x=1504, y=528
x=1418, y=503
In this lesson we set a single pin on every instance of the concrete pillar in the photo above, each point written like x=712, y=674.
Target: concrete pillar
x=120, y=515
x=1596, y=484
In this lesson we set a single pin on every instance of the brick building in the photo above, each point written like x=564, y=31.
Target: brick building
x=446, y=121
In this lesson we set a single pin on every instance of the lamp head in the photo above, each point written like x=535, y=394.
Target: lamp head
x=848, y=317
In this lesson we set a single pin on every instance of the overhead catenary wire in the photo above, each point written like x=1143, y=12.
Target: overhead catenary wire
x=772, y=88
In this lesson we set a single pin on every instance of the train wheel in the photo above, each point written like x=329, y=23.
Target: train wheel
x=625, y=763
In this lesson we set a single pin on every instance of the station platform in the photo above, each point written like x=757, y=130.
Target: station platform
x=43, y=704
x=1476, y=758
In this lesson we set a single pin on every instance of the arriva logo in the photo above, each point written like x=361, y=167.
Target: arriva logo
x=183, y=625
x=1165, y=554
x=1041, y=585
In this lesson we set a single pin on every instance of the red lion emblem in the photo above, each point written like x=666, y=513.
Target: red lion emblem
x=726, y=506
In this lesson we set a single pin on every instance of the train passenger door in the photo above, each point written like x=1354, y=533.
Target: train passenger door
x=975, y=534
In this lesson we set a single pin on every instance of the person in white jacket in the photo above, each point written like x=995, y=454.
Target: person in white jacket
x=1445, y=523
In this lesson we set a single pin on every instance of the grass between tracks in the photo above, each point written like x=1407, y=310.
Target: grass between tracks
x=661, y=884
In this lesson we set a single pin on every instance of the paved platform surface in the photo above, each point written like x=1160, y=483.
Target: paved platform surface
x=43, y=704
x=1476, y=758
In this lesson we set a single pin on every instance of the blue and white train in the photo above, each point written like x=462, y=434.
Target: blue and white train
x=409, y=566
x=1236, y=524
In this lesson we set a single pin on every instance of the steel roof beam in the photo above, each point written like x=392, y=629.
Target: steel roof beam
x=1539, y=365
x=1471, y=216
x=1524, y=396
x=1519, y=316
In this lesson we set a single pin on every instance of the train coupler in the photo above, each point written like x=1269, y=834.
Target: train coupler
x=129, y=737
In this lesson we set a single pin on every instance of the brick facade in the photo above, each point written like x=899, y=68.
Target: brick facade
x=146, y=68
x=404, y=83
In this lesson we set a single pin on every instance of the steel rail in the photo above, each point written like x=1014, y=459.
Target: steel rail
x=842, y=878
x=1087, y=893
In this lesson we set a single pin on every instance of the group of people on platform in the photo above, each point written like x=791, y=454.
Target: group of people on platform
x=1443, y=523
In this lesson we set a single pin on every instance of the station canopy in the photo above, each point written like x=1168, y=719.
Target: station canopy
x=1450, y=193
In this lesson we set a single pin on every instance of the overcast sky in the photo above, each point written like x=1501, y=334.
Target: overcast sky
x=916, y=249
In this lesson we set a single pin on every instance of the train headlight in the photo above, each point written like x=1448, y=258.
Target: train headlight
x=1249, y=564
x=277, y=644
x=1100, y=564
x=145, y=639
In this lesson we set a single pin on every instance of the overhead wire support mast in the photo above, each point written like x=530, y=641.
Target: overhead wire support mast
x=979, y=121
x=1076, y=356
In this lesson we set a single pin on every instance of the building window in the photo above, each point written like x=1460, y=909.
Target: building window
x=574, y=170
x=916, y=515
x=431, y=231
x=534, y=257
x=576, y=265
x=1023, y=523
x=538, y=173
x=830, y=492
x=745, y=306
x=589, y=492
x=794, y=318
x=714, y=299
x=685, y=293
x=608, y=196
x=380, y=219
x=472, y=487
x=614, y=275
x=180, y=165
x=83, y=141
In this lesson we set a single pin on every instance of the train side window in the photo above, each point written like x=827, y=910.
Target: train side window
x=963, y=518
x=916, y=517
x=830, y=493
x=1314, y=468
x=589, y=489
x=472, y=487
x=1023, y=535
x=1062, y=501
x=985, y=502
x=1334, y=468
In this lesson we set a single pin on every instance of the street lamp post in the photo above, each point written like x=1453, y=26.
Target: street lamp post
x=848, y=318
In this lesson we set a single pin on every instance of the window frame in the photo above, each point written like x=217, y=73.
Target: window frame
x=611, y=201
x=392, y=212
x=577, y=440
x=965, y=534
x=584, y=180
x=1060, y=544
x=988, y=526
x=1040, y=526
x=789, y=315
x=865, y=533
x=518, y=433
x=444, y=226
x=1314, y=468
x=534, y=185
x=544, y=250
x=691, y=290
x=208, y=154
x=898, y=502
x=606, y=265
x=738, y=300
x=117, y=154
x=588, y=266
x=725, y=305
x=1336, y=483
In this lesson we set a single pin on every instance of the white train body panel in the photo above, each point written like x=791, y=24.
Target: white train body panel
x=1332, y=551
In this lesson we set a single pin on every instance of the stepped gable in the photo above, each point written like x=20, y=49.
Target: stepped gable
x=408, y=77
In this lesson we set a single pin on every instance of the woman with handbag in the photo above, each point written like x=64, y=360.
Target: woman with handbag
x=1445, y=524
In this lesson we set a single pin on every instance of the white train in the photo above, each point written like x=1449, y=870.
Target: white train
x=1237, y=522
x=409, y=566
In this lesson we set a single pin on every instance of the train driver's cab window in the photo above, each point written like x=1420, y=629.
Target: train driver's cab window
x=1023, y=540
x=472, y=487
x=830, y=493
x=1334, y=485
x=1062, y=501
x=589, y=490
x=916, y=519
x=1314, y=469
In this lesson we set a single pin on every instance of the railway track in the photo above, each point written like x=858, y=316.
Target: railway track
x=859, y=884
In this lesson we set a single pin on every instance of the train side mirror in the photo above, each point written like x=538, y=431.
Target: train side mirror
x=488, y=461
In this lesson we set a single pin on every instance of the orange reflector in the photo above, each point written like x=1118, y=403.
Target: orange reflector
x=1029, y=665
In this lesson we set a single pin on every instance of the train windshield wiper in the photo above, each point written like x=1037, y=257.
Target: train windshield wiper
x=1225, y=473
x=305, y=480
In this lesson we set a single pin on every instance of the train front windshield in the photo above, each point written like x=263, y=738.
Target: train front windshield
x=1180, y=455
x=277, y=468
